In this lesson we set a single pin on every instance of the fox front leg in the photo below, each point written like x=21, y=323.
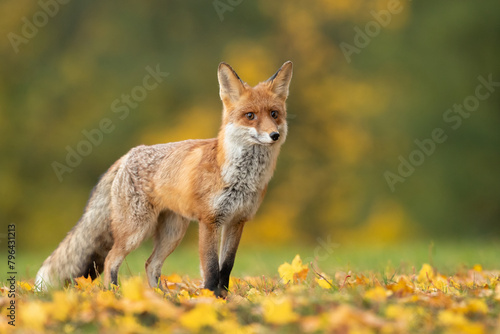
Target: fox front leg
x=208, y=256
x=230, y=239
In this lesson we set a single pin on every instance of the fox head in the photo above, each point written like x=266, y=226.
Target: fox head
x=254, y=115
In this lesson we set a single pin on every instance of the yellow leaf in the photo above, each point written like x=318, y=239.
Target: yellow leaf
x=403, y=315
x=450, y=318
x=477, y=306
x=454, y=284
x=174, y=278
x=293, y=272
x=200, y=316
x=205, y=293
x=377, y=294
x=362, y=280
x=312, y=324
x=396, y=312
x=105, y=298
x=441, y=283
x=133, y=289
x=83, y=283
x=25, y=286
x=234, y=281
x=278, y=311
x=33, y=315
x=425, y=274
x=128, y=323
x=477, y=267
x=170, y=282
x=325, y=282
x=497, y=292
x=253, y=294
x=65, y=304
x=183, y=296
x=229, y=326
x=68, y=328
x=402, y=287
x=459, y=323
x=473, y=328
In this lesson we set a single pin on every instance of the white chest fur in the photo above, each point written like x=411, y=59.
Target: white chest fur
x=247, y=171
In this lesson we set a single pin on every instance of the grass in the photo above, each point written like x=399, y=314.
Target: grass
x=448, y=256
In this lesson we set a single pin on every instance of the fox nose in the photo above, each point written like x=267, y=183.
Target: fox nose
x=274, y=135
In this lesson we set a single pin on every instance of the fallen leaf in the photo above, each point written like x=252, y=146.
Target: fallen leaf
x=294, y=272
x=278, y=311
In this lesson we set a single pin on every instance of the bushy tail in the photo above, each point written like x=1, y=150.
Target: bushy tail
x=83, y=250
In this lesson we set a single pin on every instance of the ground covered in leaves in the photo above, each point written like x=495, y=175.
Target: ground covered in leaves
x=300, y=298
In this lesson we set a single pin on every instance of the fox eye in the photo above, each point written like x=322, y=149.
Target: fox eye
x=250, y=115
x=274, y=114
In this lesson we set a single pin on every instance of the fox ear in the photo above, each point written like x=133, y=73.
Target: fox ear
x=231, y=86
x=280, y=81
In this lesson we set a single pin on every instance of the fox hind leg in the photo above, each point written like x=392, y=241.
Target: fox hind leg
x=128, y=234
x=169, y=233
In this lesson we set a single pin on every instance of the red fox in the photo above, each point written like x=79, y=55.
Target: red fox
x=157, y=190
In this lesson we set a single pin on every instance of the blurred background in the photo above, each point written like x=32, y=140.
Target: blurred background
x=370, y=78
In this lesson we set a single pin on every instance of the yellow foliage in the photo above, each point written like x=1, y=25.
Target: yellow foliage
x=105, y=298
x=386, y=223
x=231, y=326
x=234, y=281
x=205, y=293
x=497, y=292
x=84, y=283
x=441, y=283
x=363, y=304
x=24, y=286
x=325, y=282
x=272, y=224
x=458, y=323
x=341, y=9
x=362, y=280
x=278, y=311
x=206, y=126
x=402, y=288
x=64, y=304
x=395, y=311
x=478, y=268
x=133, y=288
x=293, y=272
x=253, y=295
x=353, y=143
x=447, y=318
x=200, y=316
x=183, y=296
x=425, y=274
x=254, y=62
x=174, y=278
x=128, y=324
x=377, y=294
x=34, y=315
x=477, y=306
